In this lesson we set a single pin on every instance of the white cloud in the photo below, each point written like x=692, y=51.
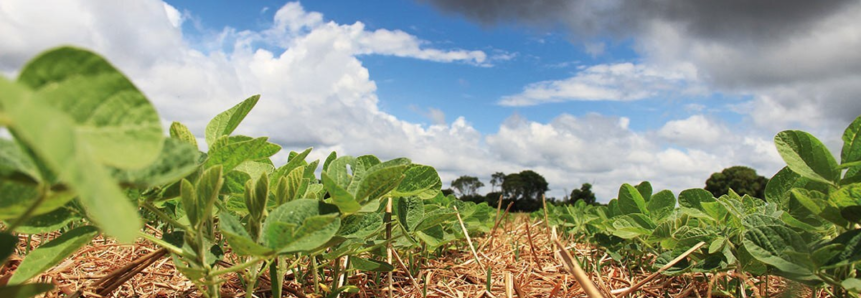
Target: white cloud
x=614, y=82
x=174, y=16
x=694, y=131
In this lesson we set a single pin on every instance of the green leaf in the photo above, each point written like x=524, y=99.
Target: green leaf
x=851, y=151
x=370, y=265
x=852, y=284
x=51, y=135
x=692, y=198
x=770, y=241
x=119, y=125
x=850, y=242
x=340, y=197
x=436, y=218
x=51, y=253
x=846, y=196
x=177, y=160
x=48, y=222
x=717, y=245
x=337, y=170
x=300, y=225
x=419, y=180
x=411, y=212
x=329, y=159
x=24, y=291
x=632, y=225
x=295, y=162
x=192, y=206
x=376, y=184
x=807, y=156
x=361, y=225
x=15, y=164
x=208, y=187
x=661, y=204
x=240, y=241
x=230, y=152
x=180, y=132
x=224, y=123
x=645, y=190
x=631, y=201
x=818, y=204
x=257, y=196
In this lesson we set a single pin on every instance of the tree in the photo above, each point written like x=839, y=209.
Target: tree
x=495, y=180
x=525, y=188
x=742, y=180
x=466, y=185
x=584, y=193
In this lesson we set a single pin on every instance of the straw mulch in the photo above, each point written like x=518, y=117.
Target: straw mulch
x=522, y=260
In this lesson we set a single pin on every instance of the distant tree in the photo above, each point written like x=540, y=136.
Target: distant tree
x=496, y=180
x=525, y=188
x=584, y=193
x=447, y=191
x=466, y=185
x=742, y=180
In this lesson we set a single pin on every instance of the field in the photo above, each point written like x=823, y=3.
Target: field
x=96, y=201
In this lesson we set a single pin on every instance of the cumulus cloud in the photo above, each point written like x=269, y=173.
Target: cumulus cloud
x=694, y=131
x=616, y=82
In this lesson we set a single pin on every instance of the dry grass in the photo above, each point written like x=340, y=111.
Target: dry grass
x=520, y=252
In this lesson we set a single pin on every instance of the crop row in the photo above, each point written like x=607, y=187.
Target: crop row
x=806, y=228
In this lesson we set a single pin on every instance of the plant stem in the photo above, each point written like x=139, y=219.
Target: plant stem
x=165, y=217
x=239, y=267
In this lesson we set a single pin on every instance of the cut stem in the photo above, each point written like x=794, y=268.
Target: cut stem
x=468, y=240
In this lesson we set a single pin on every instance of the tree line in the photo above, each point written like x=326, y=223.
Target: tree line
x=526, y=188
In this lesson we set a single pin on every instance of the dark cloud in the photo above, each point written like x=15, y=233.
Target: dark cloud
x=720, y=20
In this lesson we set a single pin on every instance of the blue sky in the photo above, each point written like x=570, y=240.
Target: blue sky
x=579, y=91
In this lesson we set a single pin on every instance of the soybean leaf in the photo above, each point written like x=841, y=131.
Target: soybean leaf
x=661, y=204
x=692, y=198
x=51, y=134
x=419, y=180
x=110, y=114
x=851, y=151
x=329, y=159
x=850, y=251
x=631, y=201
x=208, y=187
x=177, y=160
x=361, y=225
x=436, y=218
x=294, y=162
x=340, y=197
x=24, y=291
x=49, y=222
x=15, y=164
x=51, y=253
x=852, y=284
x=240, y=241
x=300, y=225
x=337, y=170
x=807, y=156
x=817, y=203
x=224, y=123
x=379, y=182
x=179, y=131
x=230, y=152
x=645, y=189
x=411, y=212
x=370, y=265
x=192, y=206
x=254, y=169
x=770, y=241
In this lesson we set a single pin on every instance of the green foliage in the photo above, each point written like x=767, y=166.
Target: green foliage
x=526, y=189
x=742, y=180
